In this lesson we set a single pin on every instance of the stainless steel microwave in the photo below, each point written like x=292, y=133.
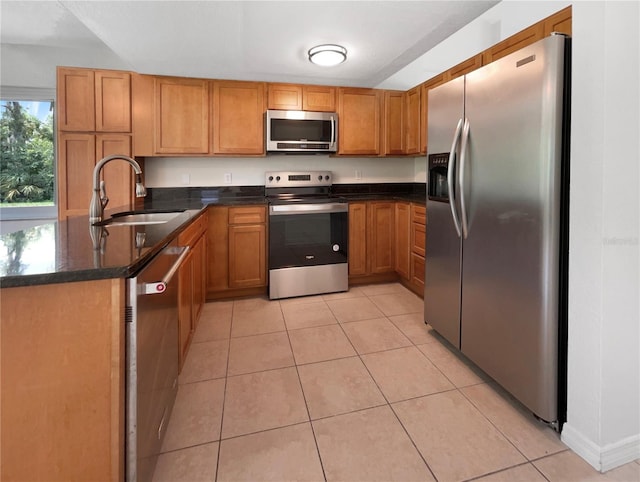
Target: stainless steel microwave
x=293, y=131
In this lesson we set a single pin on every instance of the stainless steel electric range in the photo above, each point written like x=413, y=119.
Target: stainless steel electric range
x=308, y=234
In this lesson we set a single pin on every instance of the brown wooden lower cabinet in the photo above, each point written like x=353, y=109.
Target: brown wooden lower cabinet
x=371, y=240
x=236, y=251
x=417, y=271
x=402, y=241
x=63, y=381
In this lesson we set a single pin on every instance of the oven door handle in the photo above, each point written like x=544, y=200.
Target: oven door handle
x=283, y=209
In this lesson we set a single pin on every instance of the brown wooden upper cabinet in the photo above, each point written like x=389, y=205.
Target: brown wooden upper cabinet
x=181, y=116
x=465, y=67
x=301, y=97
x=238, y=117
x=424, y=117
x=93, y=100
x=359, y=114
x=394, y=122
x=413, y=124
x=515, y=42
x=558, y=22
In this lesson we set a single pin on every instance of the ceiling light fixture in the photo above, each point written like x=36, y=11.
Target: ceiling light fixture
x=327, y=55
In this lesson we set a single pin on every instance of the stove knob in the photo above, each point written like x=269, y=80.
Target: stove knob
x=326, y=178
x=270, y=178
x=319, y=178
x=277, y=178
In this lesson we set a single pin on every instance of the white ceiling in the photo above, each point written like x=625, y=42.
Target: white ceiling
x=244, y=40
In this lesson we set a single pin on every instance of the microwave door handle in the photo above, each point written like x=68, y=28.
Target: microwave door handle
x=333, y=131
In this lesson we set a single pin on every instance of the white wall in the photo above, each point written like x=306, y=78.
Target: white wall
x=174, y=172
x=603, y=423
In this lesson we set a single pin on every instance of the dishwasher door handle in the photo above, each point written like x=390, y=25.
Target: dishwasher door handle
x=159, y=287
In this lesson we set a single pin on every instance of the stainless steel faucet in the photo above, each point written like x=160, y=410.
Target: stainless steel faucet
x=99, y=198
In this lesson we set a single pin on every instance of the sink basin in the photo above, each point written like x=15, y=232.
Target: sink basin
x=134, y=219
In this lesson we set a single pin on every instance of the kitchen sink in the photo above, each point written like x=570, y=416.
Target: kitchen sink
x=138, y=218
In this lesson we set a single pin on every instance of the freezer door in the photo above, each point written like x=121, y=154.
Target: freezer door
x=443, y=246
x=512, y=191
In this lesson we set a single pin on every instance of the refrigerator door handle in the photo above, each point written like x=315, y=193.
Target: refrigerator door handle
x=461, y=183
x=450, y=173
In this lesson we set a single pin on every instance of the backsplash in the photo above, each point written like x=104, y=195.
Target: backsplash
x=211, y=171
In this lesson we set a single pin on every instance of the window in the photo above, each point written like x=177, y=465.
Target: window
x=27, y=154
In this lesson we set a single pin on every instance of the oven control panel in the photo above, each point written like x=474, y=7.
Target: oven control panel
x=298, y=178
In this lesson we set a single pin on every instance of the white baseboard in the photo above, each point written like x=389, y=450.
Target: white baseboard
x=602, y=458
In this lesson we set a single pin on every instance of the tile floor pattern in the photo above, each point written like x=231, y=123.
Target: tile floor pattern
x=348, y=387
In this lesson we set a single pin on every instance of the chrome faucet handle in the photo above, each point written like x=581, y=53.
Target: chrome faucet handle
x=104, y=199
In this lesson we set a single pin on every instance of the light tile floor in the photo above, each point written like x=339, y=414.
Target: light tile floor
x=352, y=387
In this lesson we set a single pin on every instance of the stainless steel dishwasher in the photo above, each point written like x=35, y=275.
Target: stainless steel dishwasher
x=152, y=359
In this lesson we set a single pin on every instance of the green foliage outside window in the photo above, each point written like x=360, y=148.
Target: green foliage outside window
x=26, y=156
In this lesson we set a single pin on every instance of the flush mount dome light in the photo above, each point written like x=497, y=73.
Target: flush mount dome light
x=327, y=55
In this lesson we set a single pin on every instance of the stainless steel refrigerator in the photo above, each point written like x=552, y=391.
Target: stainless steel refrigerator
x=496, y=249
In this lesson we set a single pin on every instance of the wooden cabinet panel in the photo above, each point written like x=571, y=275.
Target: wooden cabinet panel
x=418, y=213
x=113, y=101
x=402, y=240
x=424, y=118
x=418, y=232
x=199, y=277
x=359, y=114
x=465, y=67
x=247, y=262
x=381, y=236
x=117, y=175
x=558, y=22
x=357, y=239
x=417, y=271
x=217, y=249
x=247, y=215
x=63, y=383
x=394, y=122
x=76, y=159
x=185, y=307
x=318, y=98
x=75, y=100
x=142, y=113
x=284, y=96
x=515, y=42
x=413, y=125
x=238, y=117
x=181, y=116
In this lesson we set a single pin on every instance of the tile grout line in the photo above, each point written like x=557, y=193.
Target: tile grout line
x=304, y=397
x=224, y=394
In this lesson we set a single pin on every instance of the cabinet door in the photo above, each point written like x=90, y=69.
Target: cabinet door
x=217, y=249
x=185, y=306
x=118, y=175
x=359, y=121
x=402, y=239
x=357, y=239
x=181, y=116
x=113, y=101
x=284, y=96
x=418, y=238
x=558, y=22
x=417, y=271
x=76, y=101
x=394, y=123
x=247, y=260
x=515, y=42
x=412, y=124
x=381, y=236
x=424, y=108
x=238, y=117
x=76, y=159
x=318, y=98
x=199, y=279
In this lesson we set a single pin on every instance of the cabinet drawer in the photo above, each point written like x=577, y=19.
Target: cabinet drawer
x=418, y=238
x=189, y=236
x=247, y=215
x=417, y=270
x=418, y=214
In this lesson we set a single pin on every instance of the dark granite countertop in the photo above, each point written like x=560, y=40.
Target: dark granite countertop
x=71, y=250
